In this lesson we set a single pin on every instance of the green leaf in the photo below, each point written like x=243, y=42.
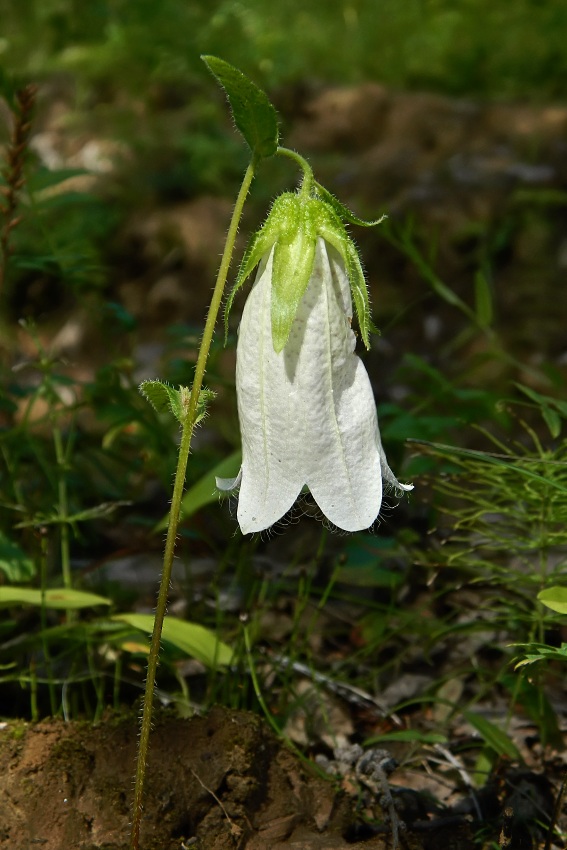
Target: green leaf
x=554, y=598
x=552, y=420
x=552, y=409
x=284, y=211
x=205, y=492
x=96, y=512
x=162, y=397
x=332, y=230
x=291, y=271
x=485, y=457
x=542, y=652
x=205, y=396
x=494, y=737
x=14, y=562
x=535, y=703
x=195, y=640
x=252, y=111
x=483, y=767
x=343, y=211
x=409, y=736
x=55, y=597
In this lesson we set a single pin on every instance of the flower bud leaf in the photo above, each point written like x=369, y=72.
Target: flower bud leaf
x=293, y=264
x=333, y=231
x=359, y=291
x=258, y=247
x=284, y=209
x=253, y=113
x=342, y=211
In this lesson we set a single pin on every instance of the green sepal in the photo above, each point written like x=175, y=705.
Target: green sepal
x=253, y=113
x=292, y=267
x=293, y=225
x=164, y=398
x=277, y=224
x=333, y=231
x=359, y=289
x=342, y=211
x=205, y=397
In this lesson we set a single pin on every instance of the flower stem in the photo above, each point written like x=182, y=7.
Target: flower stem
x=190, y=405
x=308, y=178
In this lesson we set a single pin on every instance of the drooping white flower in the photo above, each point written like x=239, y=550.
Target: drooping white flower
x=306, y=409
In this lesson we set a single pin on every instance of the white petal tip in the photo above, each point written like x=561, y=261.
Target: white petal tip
x=227, y=485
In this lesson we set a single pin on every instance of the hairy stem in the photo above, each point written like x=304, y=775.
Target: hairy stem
x=190, y=406
x=308, y=178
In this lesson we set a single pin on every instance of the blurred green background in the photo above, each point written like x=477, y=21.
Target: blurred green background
x=464, y=47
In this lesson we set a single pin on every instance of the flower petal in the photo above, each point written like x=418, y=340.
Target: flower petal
x=307, y=413
x=272, y=474
x=344, y=472
x=227, y=485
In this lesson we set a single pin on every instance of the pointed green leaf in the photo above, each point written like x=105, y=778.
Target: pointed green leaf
x=205, y=397
x=292, y=267
x=342, y=211
x=359, y=293
x=552, y=409
x=410, y=736
x=493, y=736
x=54, y=597
x=552, y=420
x=283, y=215
x=191, y=638
x=162, y=397
x=554, y=598
x=252, y=111
x=55, y=518
x=259, y=246
x=333, y=231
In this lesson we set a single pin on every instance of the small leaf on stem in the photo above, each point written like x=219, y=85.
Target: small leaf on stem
x=253, y=114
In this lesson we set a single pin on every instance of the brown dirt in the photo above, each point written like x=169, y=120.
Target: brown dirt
x=222, y=781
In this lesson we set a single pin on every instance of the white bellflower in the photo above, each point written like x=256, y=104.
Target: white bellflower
x=305, y=404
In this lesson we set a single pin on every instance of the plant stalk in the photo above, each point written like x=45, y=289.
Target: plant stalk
x=190, y=405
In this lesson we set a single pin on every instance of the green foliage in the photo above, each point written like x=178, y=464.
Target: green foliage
x=191, y=638
x=253, y=113
x=555, y=598
x=475, y=46
x=62, y=598
x=542, y=652
x=163, y=398
x=14, y=562
x=505, y=530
